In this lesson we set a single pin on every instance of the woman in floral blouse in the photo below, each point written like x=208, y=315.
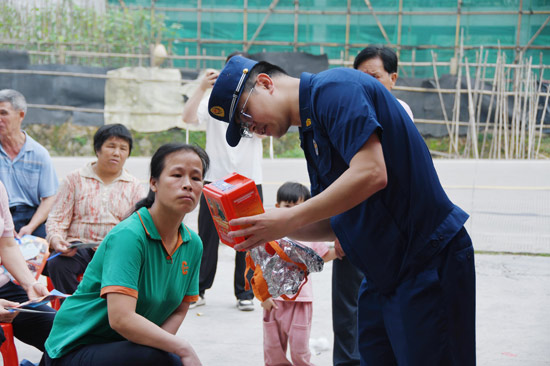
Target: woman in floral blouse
x=90, y=202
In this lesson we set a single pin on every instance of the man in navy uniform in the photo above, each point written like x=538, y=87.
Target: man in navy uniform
x=375, y=189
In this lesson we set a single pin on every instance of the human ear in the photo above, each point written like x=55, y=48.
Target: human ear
x=264, y=81
x=153, y=184
x=393, y=78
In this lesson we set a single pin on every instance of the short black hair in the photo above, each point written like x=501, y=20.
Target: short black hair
x=115, y=130
x=263, y=67
x=386, y=54
x=292, y=192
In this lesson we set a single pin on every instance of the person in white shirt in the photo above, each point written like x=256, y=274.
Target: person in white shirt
x=244, y=159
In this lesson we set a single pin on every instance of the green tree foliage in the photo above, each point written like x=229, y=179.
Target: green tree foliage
x=68, y=27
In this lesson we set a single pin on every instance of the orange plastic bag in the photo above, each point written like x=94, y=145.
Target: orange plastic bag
x=260, y=286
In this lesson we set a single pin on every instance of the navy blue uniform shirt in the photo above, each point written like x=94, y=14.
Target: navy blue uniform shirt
x=394, y=232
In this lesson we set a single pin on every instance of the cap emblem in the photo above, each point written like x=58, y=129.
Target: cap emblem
x=217, y=111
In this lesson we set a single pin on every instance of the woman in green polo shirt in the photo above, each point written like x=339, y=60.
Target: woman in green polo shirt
x=137, y=289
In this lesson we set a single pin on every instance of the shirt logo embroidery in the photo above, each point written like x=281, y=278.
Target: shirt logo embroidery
x=308, y=122
x=184, y=267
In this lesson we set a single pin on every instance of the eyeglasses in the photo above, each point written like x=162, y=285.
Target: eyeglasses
x=246, y=119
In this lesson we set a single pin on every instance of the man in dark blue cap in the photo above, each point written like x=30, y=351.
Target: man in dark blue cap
x=375, y=188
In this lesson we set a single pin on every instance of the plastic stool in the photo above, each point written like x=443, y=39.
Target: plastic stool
x=8, y=350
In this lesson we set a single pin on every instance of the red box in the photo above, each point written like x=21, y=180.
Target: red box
x=229, y=198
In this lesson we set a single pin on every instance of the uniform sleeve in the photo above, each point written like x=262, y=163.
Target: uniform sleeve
x=122, y=263
x=348, y=118
x=48, y=178
x=60, y=217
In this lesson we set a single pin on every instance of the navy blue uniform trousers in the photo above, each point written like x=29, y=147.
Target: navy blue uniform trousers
x=429, y=320
x=346, y=281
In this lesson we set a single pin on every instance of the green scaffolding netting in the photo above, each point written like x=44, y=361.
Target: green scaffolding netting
x=426, y=26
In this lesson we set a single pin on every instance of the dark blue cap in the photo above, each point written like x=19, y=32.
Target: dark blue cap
x=226, y=94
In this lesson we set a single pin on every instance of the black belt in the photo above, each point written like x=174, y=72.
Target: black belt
x=21, y=208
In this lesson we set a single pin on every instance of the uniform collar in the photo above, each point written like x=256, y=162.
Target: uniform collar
x=305, y=98
x=88, y=172
x=152, y=233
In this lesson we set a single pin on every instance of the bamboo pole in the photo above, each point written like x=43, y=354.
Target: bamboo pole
x=490, y=109
x=82, y=75
x=518, y=31
x=99, y=111
x=380, y=26
x=498, y=105
x=533, y=117
x=456, y=117
x=473, y=118
x=303, y=44
x=260, y=27
x=399, y=27
x=413, y=59
x=502, y=89
x=471, y=113
x=457, y=27
x=525, y=114
x=199, y=30
x=435, y=13
x=443, y=109
x=245, y=22
x=504, y=112
x=542, y=120
x=296, y=26
x=516, y=115
x=482, y=87
x=221, y=58
x=346, y=42
x=535, y=35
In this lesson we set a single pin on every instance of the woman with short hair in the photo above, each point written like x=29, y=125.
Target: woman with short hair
x=89, y=203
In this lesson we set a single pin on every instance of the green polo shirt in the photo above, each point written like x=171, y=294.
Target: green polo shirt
x=131, y=260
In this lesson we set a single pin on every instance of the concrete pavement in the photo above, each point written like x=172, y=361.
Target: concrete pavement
x=509, y=206
x=513, y=326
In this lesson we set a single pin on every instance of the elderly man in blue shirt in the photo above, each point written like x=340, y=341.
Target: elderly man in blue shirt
x=26, y=168
x=376, y=189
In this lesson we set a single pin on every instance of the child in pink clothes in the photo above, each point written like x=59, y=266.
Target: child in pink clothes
x=288, y=323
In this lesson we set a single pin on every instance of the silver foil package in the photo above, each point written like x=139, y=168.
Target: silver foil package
x=282, y=277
